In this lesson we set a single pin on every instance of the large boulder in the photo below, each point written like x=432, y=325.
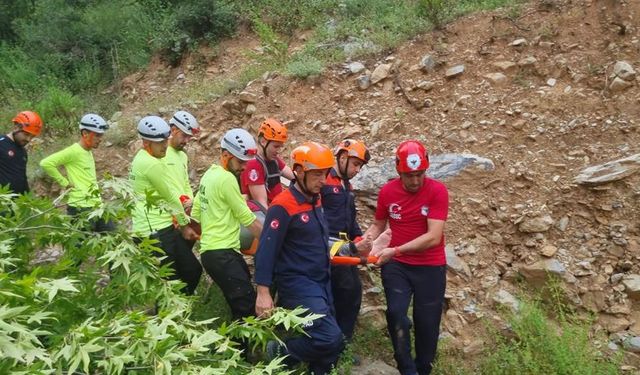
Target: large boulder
x=609, y=172
x=442, y=166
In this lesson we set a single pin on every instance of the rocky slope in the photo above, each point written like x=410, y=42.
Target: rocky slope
x=538, y=97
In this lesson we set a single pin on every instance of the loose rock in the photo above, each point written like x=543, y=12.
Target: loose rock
x=536, y=224
x=356, y=67
x=609, y=172
x=498, y=79
x=624, y=70
x=454, y=71
x=380, y=72
x=427, y=63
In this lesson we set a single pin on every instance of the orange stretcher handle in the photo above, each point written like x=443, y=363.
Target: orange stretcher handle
x=353, y=261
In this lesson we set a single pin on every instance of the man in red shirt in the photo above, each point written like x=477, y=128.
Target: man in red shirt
x=414, y=263
x=261, y=177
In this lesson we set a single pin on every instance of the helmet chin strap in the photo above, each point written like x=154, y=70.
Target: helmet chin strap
x=303, y=186
x=224, y=160
x=88, y=139
x=264, y=148
x=343, y=172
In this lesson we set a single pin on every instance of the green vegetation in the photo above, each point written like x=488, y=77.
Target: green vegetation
x=103, y=307
x=62, y=57
x=546, y=336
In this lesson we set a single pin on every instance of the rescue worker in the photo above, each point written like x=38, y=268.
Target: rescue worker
x=414, y=264
x=158, y=204
x=338, y=203
x=261, y=177
x=183, y=127
x=220, y=209
x=293, y=254
x=13, y=155
x=80, y=167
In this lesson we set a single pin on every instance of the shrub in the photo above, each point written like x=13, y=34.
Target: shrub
x=59, y=317
x=539, y=347
x=434, y=10
x=186, y=23
x=60, y=110
x=304, y=66
x=71, y=40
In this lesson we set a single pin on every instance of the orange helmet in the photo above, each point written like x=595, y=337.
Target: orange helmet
x=29, y=121
x=411, y=156
x=312, y=155
x=354, y=149
x=273, y=130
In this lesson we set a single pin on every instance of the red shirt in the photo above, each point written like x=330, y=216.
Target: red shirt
x=255, y=174
x=407, y=214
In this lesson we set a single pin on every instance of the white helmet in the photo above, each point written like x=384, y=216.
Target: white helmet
x=93, y=123
x=153, y=128
x=185, y=122
x=240, y=144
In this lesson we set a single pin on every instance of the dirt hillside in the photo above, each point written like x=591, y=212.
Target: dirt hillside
x=543, y=94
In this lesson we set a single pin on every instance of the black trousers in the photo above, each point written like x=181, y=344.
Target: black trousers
x=426, y=286
x=98, y=225
x=179, y=255
x=347, y=297
x=230, y=272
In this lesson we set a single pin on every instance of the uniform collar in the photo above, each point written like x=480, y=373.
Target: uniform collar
x=297, y=194
x=335, y=173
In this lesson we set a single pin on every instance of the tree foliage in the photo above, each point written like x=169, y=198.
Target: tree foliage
x=75, y=302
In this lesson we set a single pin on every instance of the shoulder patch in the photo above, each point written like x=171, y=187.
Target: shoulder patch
x=275, y=224
x=253, y=175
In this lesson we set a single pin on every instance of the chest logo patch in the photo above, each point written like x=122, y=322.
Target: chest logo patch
x=305, y=218
x=424, y=210
x=275, y=223
x=11, y=153
x=336, y=190
x=394, y=211
x=253, y=175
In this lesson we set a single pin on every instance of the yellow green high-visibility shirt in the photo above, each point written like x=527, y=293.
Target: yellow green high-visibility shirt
x=81, y=173
x=220, y=209
x=178, y=164
x=150, y=177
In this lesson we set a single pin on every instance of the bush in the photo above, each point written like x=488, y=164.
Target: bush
x=434, y=10
x=60, y=110
x=57, y=316
x=286, y=16
x=539, y=347
x=87, y=45
x=303, y=66
x=187, y=23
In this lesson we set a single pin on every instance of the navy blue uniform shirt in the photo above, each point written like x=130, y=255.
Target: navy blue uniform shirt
x=339, y=206
x=13, y=166
x=293, y=250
